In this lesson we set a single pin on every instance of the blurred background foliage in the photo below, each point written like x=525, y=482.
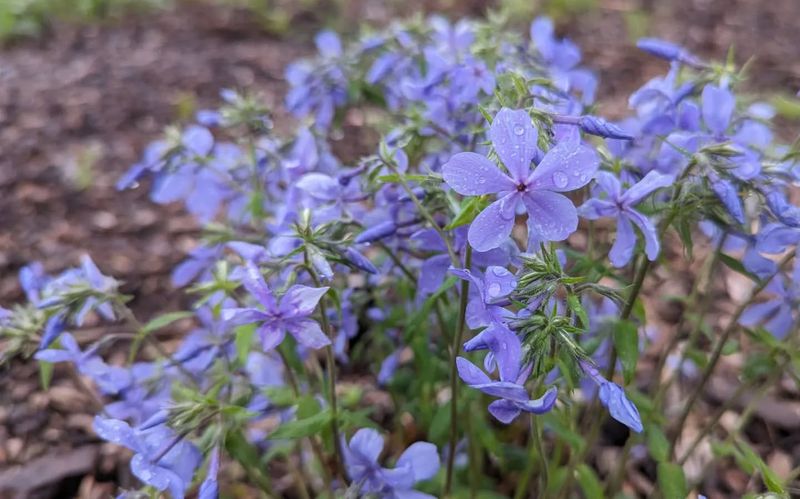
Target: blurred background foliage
x=31, y=18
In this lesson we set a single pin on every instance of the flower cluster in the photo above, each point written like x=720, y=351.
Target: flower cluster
x=456, y=239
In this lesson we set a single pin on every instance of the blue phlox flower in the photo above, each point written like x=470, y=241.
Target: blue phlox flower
x=513, y=398
x=161, y=459
x=613, y=397
x=621, y=205
x=419, y=462
x=551, y=215
x=277, y=317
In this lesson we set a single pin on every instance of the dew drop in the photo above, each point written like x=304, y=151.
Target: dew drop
x=560, y=180
x=481, y=180
x=518, y=130
x=499, y=271
x=494, y=289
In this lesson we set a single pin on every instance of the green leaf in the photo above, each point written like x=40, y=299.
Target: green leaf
x=575, y=305
x=244, y=340
x=671, y=481
x=590, y=484
x=163, y=321
x=771, y=480
x=281, y=396
x=469, y=210
x=626, y=341
x=307, y=407
x=394, y=178
x=788, y=107
x=240, y=449
x=657, y=443
x=440, y=425
x=355, y=419
x=303, y=427
x=735, y=265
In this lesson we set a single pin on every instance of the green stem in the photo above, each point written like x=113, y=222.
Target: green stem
x=455, y=348
x=330, y=365
x=593, y=411
x=315, y=447
x=744, y=387
x=717, y=353
x=708, y=270
x=474, y=460
x=544, y=472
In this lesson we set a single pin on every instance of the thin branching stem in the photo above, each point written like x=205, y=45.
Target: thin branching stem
x=717, y=352
x=455, y=348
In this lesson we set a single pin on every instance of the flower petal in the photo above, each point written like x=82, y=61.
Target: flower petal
x=504, y=389
x=507, y=350
x=471, y=174
x=271, y=336
x=652, y=181
x=254, y=282
x=320, y=186
x=624, y=243
x=301, y=300
x=368, y=444
x=515, y=141
x=651, y=243
x=493, y=225
x=608, y=182
x=499, y=282
x=470, y=373
x=423, y=458
x=504, y=410
x=551, y=216
x=565, y=167
x=308, y=333
x=541, y=405
x=595, y=208
x=620, y=408
x=718, y=106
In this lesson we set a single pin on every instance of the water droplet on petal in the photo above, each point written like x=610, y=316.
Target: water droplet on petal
x=494, y=290
x=481, y=180
x=518, y=130
x=560, y=180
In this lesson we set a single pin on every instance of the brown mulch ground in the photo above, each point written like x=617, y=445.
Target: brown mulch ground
x=96, y=95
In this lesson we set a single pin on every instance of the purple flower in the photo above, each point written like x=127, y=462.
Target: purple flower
x=551, y=216
x=209, y=489
x=289, y=314
x=513, y=397
x=718, y=106
x=667, y=50
x=613, y=397
x=419, y=462
x=494, y=286
x=109, y=379
x=777, y=313
x=621, y=205
x=598, y=126
x=161, y=459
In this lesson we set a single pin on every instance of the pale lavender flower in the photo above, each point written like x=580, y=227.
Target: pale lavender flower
x=551, y=215
x=292, y=313
x=621, y=205
x=418, y=463
x=513, y=398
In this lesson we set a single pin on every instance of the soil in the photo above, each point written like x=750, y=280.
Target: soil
x=78, y=105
